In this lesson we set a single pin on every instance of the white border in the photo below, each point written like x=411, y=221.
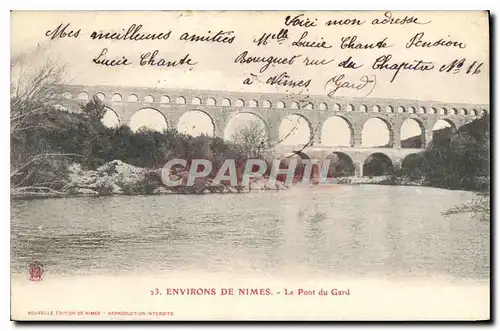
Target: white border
x=492, y=5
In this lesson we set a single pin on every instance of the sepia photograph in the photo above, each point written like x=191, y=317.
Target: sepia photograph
x=250, y=166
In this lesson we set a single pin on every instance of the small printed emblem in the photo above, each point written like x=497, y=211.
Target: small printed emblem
x=36, y=271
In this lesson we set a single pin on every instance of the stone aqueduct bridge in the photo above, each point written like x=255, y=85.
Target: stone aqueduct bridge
x=272, y=108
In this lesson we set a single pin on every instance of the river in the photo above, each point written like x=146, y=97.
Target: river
x=344, y=232
x=343, y=229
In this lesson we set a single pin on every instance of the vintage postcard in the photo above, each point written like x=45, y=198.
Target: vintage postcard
x=250, y=166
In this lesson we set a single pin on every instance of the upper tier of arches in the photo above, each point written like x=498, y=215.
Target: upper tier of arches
x=253, y=100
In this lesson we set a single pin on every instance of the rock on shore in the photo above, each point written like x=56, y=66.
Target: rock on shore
x=117, y=177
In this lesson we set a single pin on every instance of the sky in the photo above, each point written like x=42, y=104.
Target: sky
x=216, y=69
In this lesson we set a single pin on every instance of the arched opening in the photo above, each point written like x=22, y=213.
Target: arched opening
x=294, y=105
x=389, y=109
x=350, y=107
x=211, y=102
x=180, y=101
x=412, y=134
x=323, y=106
x=421, y=110
x=100, y=96
x=66, y=95
x=226, y=102
x=196, y=123
x=239, y=103
x=376, y=133
x=341, y=165
x=110, y=118
x=294, y=130
x=376, y=109
x=253, y=103
x=196, y=101
x=433, y=110
x=248, y=130
x=299, y=169
x=148, y=118
x=164, y=99
x=309, y=106
x=414, y=166
x=149, y=99
x=83, y=96
x=336, y=131
x=133, y=98
x=401, y=109
x=266, y=104
x=363, y=109
x=442, y=131
x=280, y=104
x=116, y=97
x=377, y=164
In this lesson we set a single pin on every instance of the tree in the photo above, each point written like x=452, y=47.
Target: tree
x=94, y=109
x=479, y=207
x=461, y=160
x=251, y=137
x=32, y=90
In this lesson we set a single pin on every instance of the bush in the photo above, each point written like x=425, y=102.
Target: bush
x=458, y=160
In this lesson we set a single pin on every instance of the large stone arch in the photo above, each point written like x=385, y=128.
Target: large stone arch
x=454, y=127
x=450, y=121
x=390, y=132
x=290, y=131
x=414, y=165
x=260, y=115
x=111, y=118
x=252, y=112
x=442, y=128
x=201, y=130
x=416, y=140
x=152, y=122
x=350, y=128
x=377, y=164
x=298, y=155
x=341, y=165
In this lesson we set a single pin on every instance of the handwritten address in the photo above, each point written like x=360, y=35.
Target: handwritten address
x=270, y=56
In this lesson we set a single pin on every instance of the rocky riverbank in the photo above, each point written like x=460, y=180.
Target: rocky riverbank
x=119, y=178
x=379, y=180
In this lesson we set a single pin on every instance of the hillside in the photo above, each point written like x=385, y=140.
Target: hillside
x=415, y=142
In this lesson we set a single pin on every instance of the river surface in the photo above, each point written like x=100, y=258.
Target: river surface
x=362, y=231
